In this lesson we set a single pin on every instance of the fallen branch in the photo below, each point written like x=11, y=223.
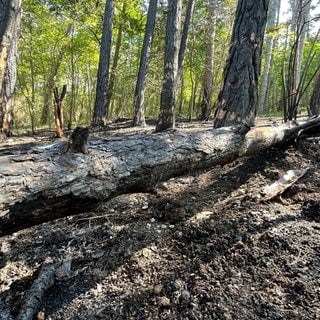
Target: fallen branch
x=282, y=184
x=37, y=291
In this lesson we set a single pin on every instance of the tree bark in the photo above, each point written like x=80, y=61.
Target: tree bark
x=139, y=118
x=184, y=38
x=273, y=21
x=116, y=58
x=295, y=83
x=10, y=16
x=315, y=97
x=43, y=183
x=100, y=107
x=58, y=110
x=237, y=101
x=207, y=85
x=169, y=88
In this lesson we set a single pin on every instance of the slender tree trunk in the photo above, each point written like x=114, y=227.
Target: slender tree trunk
x=184, y=37
x=24, y=88
x=300, y=27
x=139, y=118
x=315, y=98
x=100, y=108
x=10, y=16
x=58, y=110
x=273, y=20
x=237, y=101
x=116, y=58
x=207, y=87
x=192, y=101
x=168, y=98
x=73, y=81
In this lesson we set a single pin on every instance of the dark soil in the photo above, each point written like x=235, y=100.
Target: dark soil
x=202, y=246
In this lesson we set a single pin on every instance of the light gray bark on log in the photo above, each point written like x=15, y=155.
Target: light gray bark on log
x=44, y=184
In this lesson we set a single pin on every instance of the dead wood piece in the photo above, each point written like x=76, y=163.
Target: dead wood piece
x=47, y=185
x=78, y=141
x=282, y=184
x=37, y=291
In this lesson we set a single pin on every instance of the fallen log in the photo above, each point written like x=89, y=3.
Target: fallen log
x=45, y=183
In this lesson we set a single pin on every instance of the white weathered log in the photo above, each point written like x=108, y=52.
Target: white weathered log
x=44, y=184
x=282, y=184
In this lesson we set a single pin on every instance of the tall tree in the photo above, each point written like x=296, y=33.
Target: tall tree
x=207, y=86
x=10, y=16
x=100, y=108
x=237, y=99
x=139, y=118
x=116, y=57
x=272, y=22
x=168, y=98
x=299, y=27
x=315, y=97
x=184, y=37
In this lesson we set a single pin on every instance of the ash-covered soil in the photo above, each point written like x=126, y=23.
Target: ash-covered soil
x=201, y=246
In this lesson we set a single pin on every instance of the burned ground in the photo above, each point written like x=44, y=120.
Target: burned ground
x=200, y=246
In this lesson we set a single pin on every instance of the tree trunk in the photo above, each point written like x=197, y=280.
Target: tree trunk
x=58, y=110
x=116, y=58
x=10, y=16
x=169, y=88
x=315, y=98
x=184, y=38
x=273, y=21
x=300, y=27
x=207, y=86
x=43, y=183
x=237, y=100
x=100, y=107
x=139, y=118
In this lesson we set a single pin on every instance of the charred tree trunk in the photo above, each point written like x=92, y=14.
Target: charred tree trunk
x=45, y=183
x=315, y=97
x=58, y=111
x=169, y=90
x=100, y=107
x=139, y=118
x=237, y=101
x=10, y=15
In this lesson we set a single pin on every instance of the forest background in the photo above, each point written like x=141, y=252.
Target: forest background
x=60, y=41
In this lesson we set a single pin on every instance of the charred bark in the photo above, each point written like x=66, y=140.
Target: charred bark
x=58, y=111
x=139, y=118
x=237, y=100
x=10, y=16
x=44, y=183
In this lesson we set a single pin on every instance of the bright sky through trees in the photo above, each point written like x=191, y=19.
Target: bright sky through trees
x=315, y=13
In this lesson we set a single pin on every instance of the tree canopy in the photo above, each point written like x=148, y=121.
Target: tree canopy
x=60, y=45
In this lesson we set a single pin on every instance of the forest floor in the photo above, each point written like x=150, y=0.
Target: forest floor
x=200, y=246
